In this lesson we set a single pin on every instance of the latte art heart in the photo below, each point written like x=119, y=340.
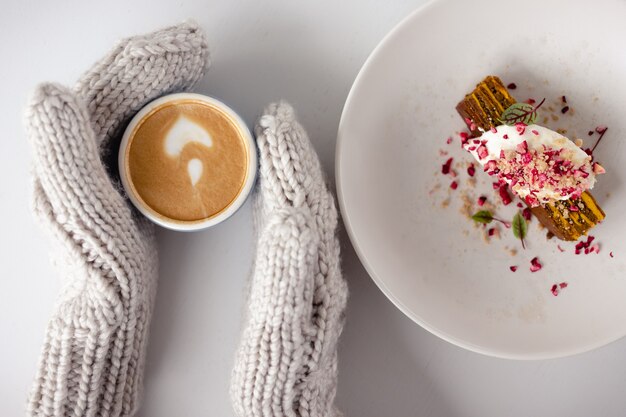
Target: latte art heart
x=182, y=133
x=188, y=160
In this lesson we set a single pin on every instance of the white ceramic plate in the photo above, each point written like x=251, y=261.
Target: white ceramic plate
x=430, y=261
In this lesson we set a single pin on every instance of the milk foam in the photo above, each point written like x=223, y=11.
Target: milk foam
x=179, y=135
x=183, y=132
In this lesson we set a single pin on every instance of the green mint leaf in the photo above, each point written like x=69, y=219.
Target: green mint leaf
x=483, y=216
x=520, y=113
x=520, y=227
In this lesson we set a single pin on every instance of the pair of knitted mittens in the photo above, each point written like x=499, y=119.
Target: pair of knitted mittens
x=94, y=351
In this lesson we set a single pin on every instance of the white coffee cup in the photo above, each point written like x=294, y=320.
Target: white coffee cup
x=135, y=196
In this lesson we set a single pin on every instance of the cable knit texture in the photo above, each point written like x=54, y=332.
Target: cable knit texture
x=93, y=355
x=287, y=360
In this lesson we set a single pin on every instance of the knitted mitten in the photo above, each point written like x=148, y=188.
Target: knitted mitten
x=287, y=361
x=93, y=355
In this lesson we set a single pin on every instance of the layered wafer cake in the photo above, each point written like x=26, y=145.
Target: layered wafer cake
x=545, y=169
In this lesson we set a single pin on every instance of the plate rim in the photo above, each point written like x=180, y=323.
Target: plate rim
x=497, y=353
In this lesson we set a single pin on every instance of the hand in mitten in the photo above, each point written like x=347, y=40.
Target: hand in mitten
x=93, y=355
x=287, y=361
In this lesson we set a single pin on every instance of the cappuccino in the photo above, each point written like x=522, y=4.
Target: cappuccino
x=187, y=161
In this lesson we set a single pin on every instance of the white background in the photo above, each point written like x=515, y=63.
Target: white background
x=308, y=53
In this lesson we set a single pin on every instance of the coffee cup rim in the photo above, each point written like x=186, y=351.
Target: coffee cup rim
x=178, y=225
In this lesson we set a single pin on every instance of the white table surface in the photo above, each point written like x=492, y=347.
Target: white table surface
x=308, y=53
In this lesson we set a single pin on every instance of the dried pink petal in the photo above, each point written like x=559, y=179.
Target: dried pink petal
x=598, y=169
x=555, y=290
x=522, y=147
x=504, y=195
x=491, y=167
x=482, y=152
x=531, y=200
x=535, y=265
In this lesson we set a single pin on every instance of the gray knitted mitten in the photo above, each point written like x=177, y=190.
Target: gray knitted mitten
x=287, y=361
x=93, y=355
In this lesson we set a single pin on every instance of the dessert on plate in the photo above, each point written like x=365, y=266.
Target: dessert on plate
x=549, y=172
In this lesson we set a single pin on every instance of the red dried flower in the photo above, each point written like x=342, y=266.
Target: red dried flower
x=482, y=152
x=598, y=169
x=504, y=195
x=555, y=290
x=535, y=265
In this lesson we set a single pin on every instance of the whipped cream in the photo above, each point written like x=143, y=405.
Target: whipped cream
x=540, y=165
